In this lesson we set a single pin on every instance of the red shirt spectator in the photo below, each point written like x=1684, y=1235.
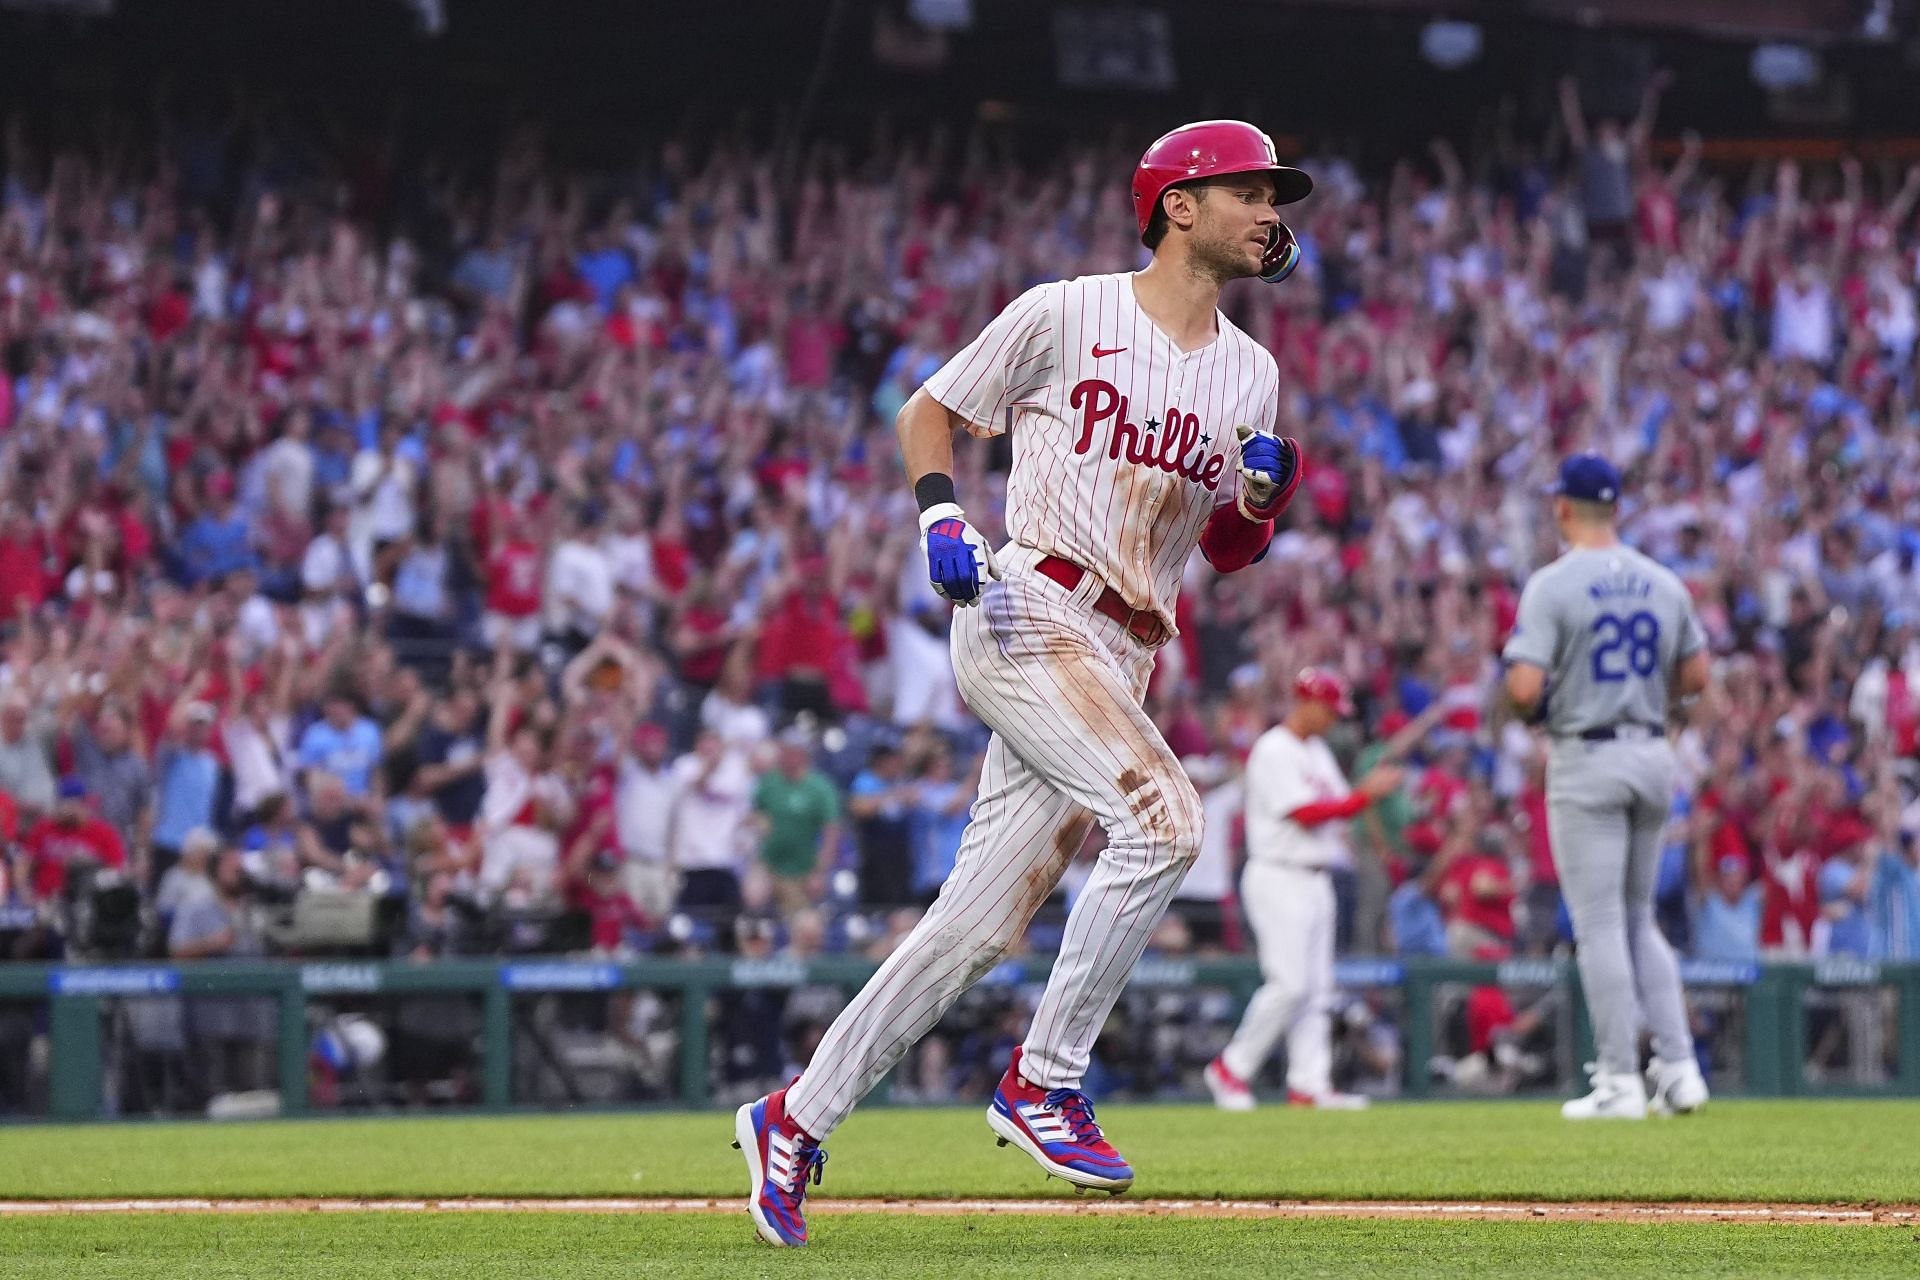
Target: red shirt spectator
x=806, y=637
x=609, y=909
x=514, y=579
x=72, y=832
x=23, y=566
x=1792, y=901
x=1530, y=821
x=1477, y=890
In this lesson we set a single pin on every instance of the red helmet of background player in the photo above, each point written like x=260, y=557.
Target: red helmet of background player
x=1318, y=684
x=1208, y=149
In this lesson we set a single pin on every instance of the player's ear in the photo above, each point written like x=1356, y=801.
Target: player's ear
x=1181, y=205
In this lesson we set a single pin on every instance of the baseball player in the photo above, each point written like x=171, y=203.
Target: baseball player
x=1606, y=638
x=1129, y=397
x=1297, y=806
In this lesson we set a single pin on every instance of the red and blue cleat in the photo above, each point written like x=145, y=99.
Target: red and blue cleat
x=1056, y=1127
x=781, y=1160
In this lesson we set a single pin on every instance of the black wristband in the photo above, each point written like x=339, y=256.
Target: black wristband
x=934, y=488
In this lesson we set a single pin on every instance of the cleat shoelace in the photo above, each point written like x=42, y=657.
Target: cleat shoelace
x=1078, y=1109
x=809, y=1160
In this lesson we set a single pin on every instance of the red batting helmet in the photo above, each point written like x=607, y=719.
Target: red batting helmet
x=1318, y=684
x=1207, y=149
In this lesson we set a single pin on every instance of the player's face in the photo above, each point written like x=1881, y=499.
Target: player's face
x=1235, y=219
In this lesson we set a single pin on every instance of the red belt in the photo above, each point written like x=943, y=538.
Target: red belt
x=1143, y=625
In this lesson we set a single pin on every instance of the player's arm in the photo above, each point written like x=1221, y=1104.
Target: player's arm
x=1401, y=744
x=1691, y=679
x=1526, y=687
x=1694, y=669
x=980, y=389
x=1380, y=780
x=1530, y=653
x=956, y=553
x=1239, y=532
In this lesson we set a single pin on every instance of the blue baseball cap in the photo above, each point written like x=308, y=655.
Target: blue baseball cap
x=1588, y=477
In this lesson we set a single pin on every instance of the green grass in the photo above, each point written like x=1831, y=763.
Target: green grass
x=1736, y=1150
x=501, y=1247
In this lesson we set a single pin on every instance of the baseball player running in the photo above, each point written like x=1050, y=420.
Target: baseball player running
x=1297, y=806
x=1129, y=397
x=1605, y=638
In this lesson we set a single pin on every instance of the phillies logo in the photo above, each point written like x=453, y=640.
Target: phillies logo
x=1099, y=401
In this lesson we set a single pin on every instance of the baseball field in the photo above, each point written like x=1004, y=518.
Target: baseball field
x=1828, y=1188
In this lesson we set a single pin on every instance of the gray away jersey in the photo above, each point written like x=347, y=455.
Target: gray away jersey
x=1608, y=627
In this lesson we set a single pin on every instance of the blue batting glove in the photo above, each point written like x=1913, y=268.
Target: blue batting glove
x=959, y=561
x=1270, y=470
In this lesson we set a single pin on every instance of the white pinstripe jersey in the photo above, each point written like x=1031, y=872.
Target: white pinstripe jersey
x=1123, y=444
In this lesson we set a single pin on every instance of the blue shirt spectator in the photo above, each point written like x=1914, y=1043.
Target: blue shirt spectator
x=1894, y=904
x=1843, y=885
x=938, y=821
x=605, y=268
x=1419, y=926
x=217, y=544
x=343, y=743
x=1728, y=927
x=188, y=778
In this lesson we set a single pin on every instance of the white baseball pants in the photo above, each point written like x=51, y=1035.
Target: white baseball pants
x=1292, y=914
x=1061, y=687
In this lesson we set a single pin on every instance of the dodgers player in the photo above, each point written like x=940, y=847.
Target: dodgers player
x=1129, y=397
x=1605, y=638
x=1298, y=802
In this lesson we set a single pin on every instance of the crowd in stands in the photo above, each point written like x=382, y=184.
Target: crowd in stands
x=449, y=560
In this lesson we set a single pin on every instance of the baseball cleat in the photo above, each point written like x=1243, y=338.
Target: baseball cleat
x=1331, y=1100
x=780, y=1161
x=1056, y=1128
x=1675, y=1088
x=1230, y=1092
x=1616, y=1096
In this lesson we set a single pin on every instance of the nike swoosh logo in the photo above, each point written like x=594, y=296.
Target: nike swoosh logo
x=1099, y=351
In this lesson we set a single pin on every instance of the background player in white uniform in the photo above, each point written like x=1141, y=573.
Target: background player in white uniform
x=1605, y=638
x=1297, y=806
x=1134, y=406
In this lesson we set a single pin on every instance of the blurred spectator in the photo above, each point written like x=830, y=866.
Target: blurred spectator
x=880, y=804
x=26, y=769
x=798, y=814
x=522, y=810
x=1476, y=890
x=450, y=758
x=271, y=848
x=108, y=760
x=70, y=841
x=1845, y=882
x=187, y=774
x=943, y=802
x=344, y=743
x=232, y=1035
x=1728, y=924
x=644, y=807
x=713, y=794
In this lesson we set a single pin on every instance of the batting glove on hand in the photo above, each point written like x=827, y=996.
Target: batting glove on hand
x=1270, y=470
x=959, y=561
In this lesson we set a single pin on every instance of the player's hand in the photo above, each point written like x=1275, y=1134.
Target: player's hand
x=1270, y=470
x=959, y=561
x=1282, y=255
x=1382, y=780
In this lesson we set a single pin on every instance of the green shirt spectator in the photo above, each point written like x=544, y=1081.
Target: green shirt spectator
x=800, y=815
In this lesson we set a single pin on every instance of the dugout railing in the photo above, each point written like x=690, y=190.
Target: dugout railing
x=1781, y=1009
